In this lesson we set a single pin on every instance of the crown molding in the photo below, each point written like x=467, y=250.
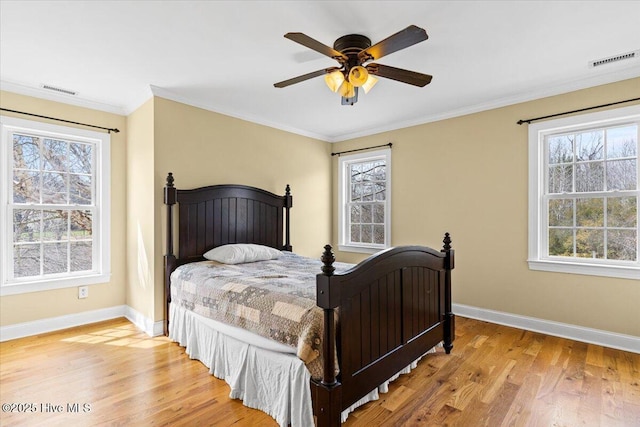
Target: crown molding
x=556, y=88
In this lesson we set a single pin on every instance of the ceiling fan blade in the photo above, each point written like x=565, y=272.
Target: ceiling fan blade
x=304, y=77
x=400, y=40
x=399, y=74
x=314, y=44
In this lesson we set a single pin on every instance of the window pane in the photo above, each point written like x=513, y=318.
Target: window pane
x=55, y=258
x=54, y=188
x=621, y=175
x=80, y=256
x=355, y=233
x=366, y=213
x=81, y=225
x=622, y=212
x=560, y=149
x=378, y=213
x=80, y=189
x=589, y=177
x=367, y=191
x=80, y=158
x=560, y=242
x=380, y=172
x=561, y=212
x=561, y=179
x=54, y=226
x=26, y=152
x=367, y=234
x=379, y=191
x=26, y=186
x=356, y=192
x=355, y=213
x=590, y=212
x=590, y=145
x=621, y=245
x=355, y=171
x=26, y=225
x=26, y=260
x=378, y=234
x=54, y=155
x=590, y=243
x=621, y=142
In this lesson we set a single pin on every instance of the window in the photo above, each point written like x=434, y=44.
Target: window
x=55, y=206
x=583, y=194
x=365, y=201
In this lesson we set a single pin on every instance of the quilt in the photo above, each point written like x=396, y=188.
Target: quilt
x=275, y=299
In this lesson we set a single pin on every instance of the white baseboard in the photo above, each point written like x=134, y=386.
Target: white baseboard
x=151, y=328
x=563, y=330
x=21, y=330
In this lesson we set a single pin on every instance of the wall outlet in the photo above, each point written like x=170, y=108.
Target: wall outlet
x=83, y=292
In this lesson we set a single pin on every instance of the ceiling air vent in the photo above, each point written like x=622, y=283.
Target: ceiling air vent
x=59, y=89
x=617, y=58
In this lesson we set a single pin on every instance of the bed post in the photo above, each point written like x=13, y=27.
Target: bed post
x=288, y=203
x=169, y=258
x=327, y=393
x=449, y=318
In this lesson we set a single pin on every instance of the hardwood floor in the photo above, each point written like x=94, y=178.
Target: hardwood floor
x=495, y=376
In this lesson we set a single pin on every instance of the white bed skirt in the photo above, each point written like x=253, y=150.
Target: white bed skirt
x=253, y=373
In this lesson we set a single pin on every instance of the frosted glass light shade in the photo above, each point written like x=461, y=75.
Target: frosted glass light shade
x=371, y=81
x=334, y=80
x=358, y=76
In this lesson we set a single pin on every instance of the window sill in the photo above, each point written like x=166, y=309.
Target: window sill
x=360, y=249
x=46, y=285
x=617, y=271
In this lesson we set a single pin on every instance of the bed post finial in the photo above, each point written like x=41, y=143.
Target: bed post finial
x=170, y=180
x=328, y=259
x=447, y=242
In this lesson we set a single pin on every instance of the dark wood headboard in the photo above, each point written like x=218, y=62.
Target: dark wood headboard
x=217, y=215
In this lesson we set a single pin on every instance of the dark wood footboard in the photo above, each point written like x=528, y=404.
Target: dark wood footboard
x=392, y=308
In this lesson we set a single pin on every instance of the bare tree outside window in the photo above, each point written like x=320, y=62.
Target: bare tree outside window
x=52, y=205
x=589, y=213
x=366, y=201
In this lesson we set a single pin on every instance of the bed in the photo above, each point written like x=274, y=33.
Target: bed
x=377, y=318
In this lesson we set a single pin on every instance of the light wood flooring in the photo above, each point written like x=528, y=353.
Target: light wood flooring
x=495, y=376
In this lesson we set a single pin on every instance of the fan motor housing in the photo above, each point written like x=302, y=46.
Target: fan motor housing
x=352, y=44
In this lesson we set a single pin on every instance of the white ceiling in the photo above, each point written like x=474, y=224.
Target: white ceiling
x=225, y=56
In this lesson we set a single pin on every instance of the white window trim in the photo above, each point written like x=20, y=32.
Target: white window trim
x=101, y=230
x=343, y=192
x=537, y=237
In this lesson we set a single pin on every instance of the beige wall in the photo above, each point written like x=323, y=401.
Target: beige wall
x=140, y=213
x=42, y=305
x=468, y=176
x=204, y=148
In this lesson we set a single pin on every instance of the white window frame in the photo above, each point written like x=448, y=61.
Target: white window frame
x=344, y=161
x=101, y=272
x=538, y=258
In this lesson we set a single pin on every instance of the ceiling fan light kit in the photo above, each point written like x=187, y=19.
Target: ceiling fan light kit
x=353, y=52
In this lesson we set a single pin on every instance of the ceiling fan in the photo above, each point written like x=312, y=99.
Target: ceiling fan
x=354, y=52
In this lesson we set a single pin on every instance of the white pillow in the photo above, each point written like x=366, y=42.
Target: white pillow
x=241, y=252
